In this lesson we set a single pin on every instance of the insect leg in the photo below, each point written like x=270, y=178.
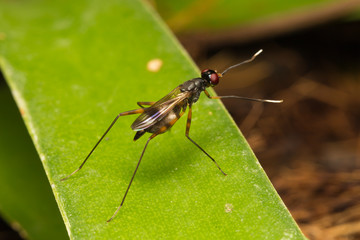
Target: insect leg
x=244, y=98
x=142, y=104
x=133, y=176
x=136, y=111
x=188, y=124
x=161, y=130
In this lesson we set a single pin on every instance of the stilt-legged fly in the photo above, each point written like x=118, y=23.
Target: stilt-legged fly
x=160, y=116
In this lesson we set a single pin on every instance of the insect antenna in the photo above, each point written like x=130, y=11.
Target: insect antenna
x=239, y=64
x=239, y=97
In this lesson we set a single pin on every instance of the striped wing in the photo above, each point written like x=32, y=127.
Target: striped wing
x=160, y=109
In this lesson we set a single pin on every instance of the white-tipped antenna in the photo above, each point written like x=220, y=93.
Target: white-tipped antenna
x=246, y=61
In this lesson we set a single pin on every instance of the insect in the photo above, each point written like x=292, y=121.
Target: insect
x=160, y=116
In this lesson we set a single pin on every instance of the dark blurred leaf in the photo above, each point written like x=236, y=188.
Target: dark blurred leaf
x=26, y=199
x=214, y=21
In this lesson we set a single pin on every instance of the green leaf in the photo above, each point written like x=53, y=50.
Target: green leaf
x=234, y=19
x=72, y=67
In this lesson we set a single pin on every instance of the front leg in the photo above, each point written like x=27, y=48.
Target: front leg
x=188, y=124
x=244, y=98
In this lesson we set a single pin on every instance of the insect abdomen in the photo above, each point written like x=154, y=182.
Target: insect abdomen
x=168, y=121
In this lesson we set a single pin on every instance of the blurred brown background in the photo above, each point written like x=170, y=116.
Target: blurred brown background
x=309, y=145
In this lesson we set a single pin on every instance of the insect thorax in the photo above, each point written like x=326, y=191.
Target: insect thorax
x=196, y=86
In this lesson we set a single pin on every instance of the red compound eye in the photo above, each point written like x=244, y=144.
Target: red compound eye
x=214, y=79
x=205, y=70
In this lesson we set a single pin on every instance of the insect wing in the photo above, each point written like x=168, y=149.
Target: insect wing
x=159, y=110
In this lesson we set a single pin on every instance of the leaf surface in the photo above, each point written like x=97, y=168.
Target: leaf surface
x=72, y=67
